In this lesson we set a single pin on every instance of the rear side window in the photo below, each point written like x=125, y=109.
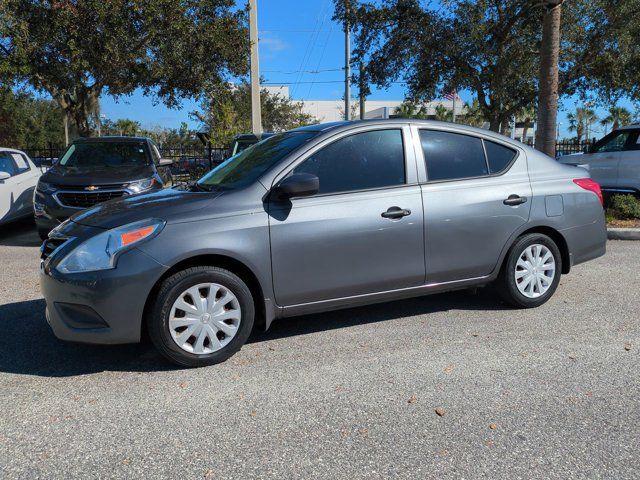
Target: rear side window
x=634, y=141
x=358, y=162
x=498, y=156
x=451, y=156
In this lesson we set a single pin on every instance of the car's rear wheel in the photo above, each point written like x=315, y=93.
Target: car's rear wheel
x=531, y=272
x=201, y=316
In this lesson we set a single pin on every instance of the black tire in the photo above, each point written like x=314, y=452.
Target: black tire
x=43, y=234
x=506, y=283
x=158, y=316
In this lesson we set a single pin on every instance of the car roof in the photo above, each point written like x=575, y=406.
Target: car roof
x=344, y=125
x=114, y=138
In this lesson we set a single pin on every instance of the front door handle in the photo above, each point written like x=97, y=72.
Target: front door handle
x=396, y=212
x=513, y=200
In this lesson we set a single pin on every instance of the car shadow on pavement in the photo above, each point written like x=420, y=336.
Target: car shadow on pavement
x=28, y=347
x=21, y=233
x=484, y=299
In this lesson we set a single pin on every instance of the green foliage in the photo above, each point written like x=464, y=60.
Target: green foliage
x=77, y=50
x=488, y=47
x=26, y=121
x=443, y=113
x=226, y=112
x=624, y=207
x=410, y=110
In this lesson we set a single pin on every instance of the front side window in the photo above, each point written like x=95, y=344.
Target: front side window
x=106, y=155
x=245, y=167
x=452, y=156
x=7, y=165
x=361, y=161
x=614, y=142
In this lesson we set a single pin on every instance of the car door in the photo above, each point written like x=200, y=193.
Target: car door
x=26, y=179
x=476, y=195
x=604, y=158
x=9, y=207
x=629, y=164
x=362, y=233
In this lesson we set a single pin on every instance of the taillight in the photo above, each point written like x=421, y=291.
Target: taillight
x=590, y=185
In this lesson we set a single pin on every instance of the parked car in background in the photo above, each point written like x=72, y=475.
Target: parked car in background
x=613, y=161
x=18, y=179
x=245, y=140
x=318, y=218
x=94, y=170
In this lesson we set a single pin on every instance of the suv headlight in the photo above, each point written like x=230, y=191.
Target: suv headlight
x=141, y=185
x=45, y=187
x=101, y=252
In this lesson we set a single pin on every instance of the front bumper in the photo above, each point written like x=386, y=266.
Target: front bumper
x=48, y=212
x=104, y=307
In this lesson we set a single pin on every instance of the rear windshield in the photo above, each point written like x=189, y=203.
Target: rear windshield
x=106, y=155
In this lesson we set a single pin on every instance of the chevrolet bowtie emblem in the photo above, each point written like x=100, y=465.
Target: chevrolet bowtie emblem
x=91, y=188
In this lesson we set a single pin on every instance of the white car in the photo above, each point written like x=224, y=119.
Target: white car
x=18, y=179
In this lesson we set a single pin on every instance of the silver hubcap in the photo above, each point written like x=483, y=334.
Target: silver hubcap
x=204, y=318
x=535, y=271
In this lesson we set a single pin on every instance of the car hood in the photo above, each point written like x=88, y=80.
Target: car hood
x=170, y=205
x=59, y=175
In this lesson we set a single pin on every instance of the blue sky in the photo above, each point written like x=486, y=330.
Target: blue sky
x=297, y=38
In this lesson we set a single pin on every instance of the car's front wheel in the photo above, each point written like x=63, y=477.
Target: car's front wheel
x=201, y=316
x=531, y=272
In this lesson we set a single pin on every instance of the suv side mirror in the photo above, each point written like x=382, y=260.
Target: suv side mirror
x=4, y=176
x=165, y=162
x=297, y=185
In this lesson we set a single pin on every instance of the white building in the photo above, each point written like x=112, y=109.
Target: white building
x=333, y=110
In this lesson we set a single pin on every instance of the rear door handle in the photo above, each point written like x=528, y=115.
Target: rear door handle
x=513, y=200
x=396, y=212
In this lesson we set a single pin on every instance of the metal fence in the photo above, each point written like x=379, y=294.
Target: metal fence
x=189, y=161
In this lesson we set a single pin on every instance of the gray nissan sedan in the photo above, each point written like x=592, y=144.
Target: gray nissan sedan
x=315, y=219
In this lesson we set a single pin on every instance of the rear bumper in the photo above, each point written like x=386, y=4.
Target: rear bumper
x=586, y=242
x=103, y=307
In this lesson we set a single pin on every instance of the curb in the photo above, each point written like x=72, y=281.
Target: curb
x=623, y=233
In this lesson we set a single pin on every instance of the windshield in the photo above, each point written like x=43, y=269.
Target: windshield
x=245, y=167
x=106, y=155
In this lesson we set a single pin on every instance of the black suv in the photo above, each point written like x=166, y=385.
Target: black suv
x=94, y=170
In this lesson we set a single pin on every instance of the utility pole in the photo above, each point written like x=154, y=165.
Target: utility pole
x=256, y=114
x=361, y=90
x=347, y=63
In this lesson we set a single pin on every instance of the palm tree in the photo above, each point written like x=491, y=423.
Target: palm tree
x=443, y=113
x=472, y=114
x=581, y=121
x=527, y=116
x=548, y=80
x=618, y=116
x=410, y=110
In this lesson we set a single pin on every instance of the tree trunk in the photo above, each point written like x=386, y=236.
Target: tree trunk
x=525, y=129
x=79, y=106
x=494, y=122
x=548, y=94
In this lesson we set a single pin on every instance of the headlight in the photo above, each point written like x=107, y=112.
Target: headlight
x=101, y=252
x=141, y=185
x=45, y=187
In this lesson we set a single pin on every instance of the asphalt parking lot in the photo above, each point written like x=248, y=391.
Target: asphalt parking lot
x=547, y=393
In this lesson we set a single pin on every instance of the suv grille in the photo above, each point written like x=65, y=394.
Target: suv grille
x=87, y=199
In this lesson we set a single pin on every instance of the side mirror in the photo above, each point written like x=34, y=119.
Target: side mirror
x=165, y=162
x=297, y=185
x=4, y=176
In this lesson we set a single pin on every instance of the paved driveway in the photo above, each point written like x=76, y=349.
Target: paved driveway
x=546, y=393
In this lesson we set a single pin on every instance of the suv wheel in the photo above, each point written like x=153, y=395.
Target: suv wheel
x=201, y=316
x=531, y=271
